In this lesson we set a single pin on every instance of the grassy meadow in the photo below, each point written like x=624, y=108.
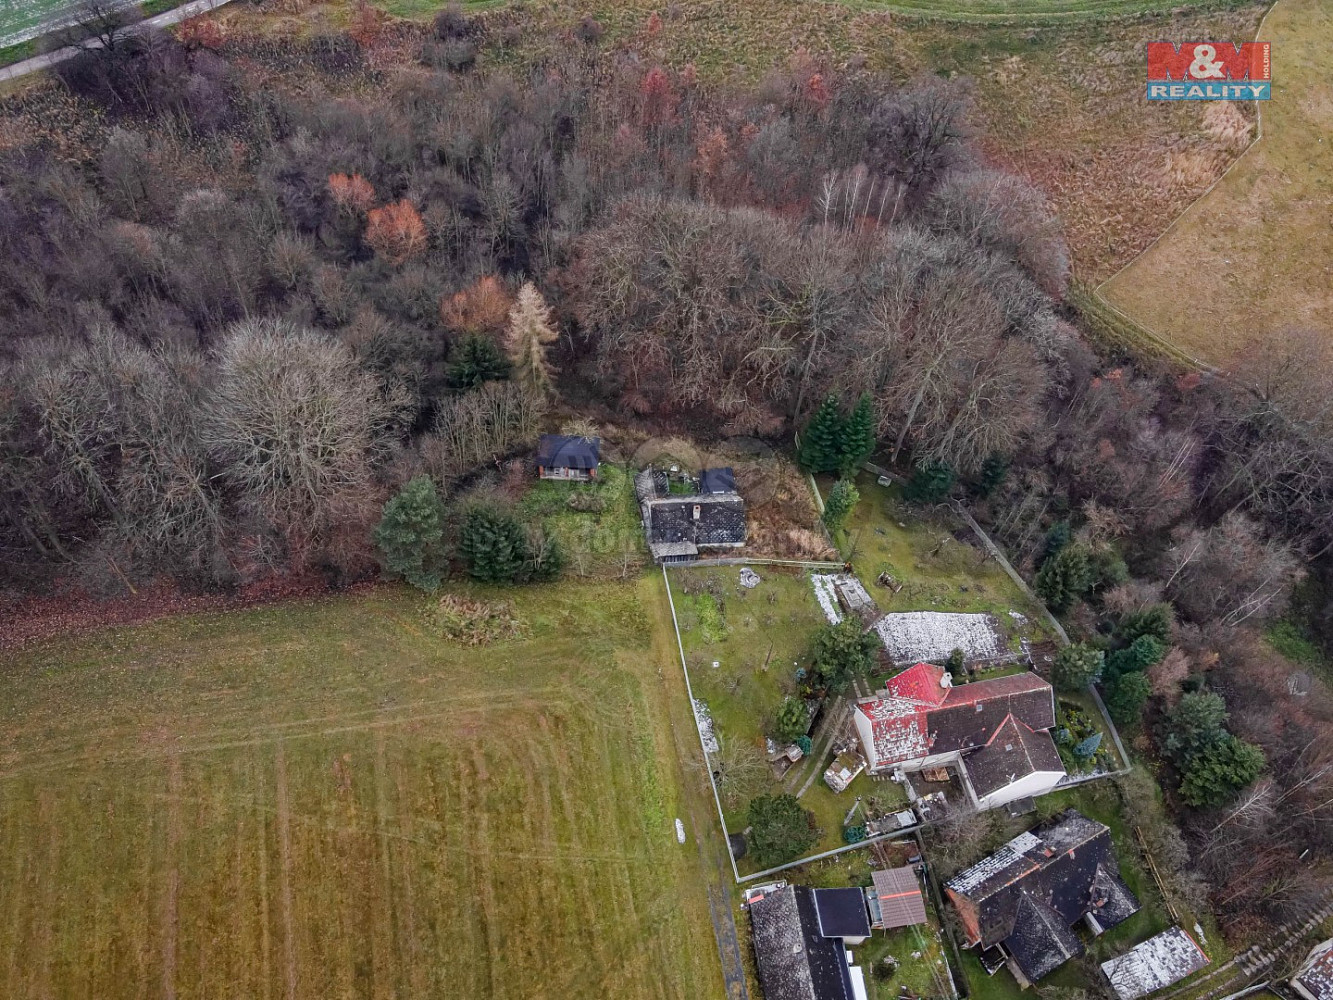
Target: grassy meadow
x=1253, y=256
x=322, y=800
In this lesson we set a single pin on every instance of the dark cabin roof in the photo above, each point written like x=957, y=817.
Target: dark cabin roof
x=563, y=451
x=721, y=520
x=717, y=481
x=842, y=912
x=1014, y=751
x=1066, y=865
x=796, y=961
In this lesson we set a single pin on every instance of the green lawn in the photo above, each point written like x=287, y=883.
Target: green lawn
x=597, y=523
x=320, y=799
x=939, y=572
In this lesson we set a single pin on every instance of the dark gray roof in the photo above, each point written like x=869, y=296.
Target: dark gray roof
x=971, y=722
x=720, y=520
x=1014, y=752
x=796, y=961
x=562, y=451
x=717, y=481
x=842, y=912
x=1041, y=941
x=1067, y=865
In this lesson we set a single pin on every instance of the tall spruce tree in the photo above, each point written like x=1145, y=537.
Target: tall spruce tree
x=821, y=443
x=858, y=436
x=527, y=338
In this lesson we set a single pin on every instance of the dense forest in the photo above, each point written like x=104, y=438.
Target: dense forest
x=277, y=283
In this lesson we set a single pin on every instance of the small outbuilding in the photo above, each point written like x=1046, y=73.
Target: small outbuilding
x=568, y=457
x=1159, y=962
x=894, y=899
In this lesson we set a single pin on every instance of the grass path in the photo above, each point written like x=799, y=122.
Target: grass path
x=1254, y=255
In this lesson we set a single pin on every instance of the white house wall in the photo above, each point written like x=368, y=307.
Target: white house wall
x=1037, y=783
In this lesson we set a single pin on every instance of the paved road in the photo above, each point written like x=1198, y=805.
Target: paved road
x=49, y=59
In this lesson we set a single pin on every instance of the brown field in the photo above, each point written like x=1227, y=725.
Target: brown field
x=1256, y=254
x=321, y=800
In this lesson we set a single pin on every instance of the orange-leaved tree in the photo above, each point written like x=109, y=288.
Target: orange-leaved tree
x=352, y=193
x=482, y=307
x=396, y=231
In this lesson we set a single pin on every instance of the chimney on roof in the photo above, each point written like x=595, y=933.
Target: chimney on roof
x=946, y=680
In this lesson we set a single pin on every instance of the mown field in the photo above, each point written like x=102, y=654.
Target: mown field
x=321, y=800
x=1255, y=255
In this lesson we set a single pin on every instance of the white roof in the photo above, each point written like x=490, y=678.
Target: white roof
x=1155, y=964
x=923, y=636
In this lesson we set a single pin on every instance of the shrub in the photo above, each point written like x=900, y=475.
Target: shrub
x=409, y=534
x=854, y=834
x=805, y=743
x=780, y=830
x=793, y=720
x=1076, y=667
x=1125, y=697
x=930, y=483
x=842, y=499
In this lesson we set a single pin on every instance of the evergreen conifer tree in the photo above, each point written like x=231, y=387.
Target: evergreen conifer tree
x=821, y=442
x=494, y=545
x=409, y=533
x=475, y=360
x=858, y=436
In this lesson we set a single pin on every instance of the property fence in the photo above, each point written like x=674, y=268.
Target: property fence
x=915, y=829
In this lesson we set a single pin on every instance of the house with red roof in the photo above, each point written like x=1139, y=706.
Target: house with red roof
x=995, y=733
